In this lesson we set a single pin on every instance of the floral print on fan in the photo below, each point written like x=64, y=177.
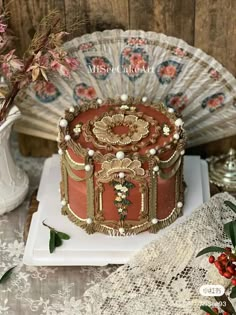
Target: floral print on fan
x=84, y=92
x=135, y=41
x=177, y=101
x=214, y=74
x=180, y=52
x=134, y=62
x=168, y=71
x=99, y=67
x=46, y=92
x=214, y=101
x=86, y=46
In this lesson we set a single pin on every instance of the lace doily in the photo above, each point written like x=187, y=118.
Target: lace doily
x=165, y=277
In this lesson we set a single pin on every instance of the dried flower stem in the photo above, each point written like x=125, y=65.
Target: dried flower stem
x=8, y=103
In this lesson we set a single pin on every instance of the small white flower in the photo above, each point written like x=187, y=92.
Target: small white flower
x=77, y=129
x=119, y=194
x=123, y=196
x=166, y=130
x=120, y=210
x=124, y=107
x=118, y=187
x=124, y=189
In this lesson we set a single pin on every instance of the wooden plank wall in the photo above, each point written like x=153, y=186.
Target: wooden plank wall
x=207, y=24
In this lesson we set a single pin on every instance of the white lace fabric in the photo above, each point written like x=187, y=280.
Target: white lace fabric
x=164, y=278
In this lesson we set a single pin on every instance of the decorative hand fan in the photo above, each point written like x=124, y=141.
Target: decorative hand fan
x=139, y=64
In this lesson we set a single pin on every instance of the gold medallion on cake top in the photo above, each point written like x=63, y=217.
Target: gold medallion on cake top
x=120, y=129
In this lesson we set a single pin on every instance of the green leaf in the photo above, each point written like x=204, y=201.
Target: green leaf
x=230, y=230
x=58, y=240
x=208, y=310
x=233, y=293
x=7, y=275
x=52, y=241
x=63, y=236
x=211, y=249
x=231, y=205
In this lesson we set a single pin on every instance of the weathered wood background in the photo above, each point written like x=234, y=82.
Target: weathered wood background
x=207, y=24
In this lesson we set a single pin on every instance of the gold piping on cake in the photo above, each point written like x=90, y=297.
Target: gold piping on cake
x=148, y=208
x=137, y=129
x=75, y=165
x=110, y=169
x=165, y=175
x=98, y=156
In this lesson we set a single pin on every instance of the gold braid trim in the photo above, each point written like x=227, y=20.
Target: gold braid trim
x=75, y=165
x=174, y=157
x=152, y=192
x=172, y=172
x=90, y=197
x=97, y=226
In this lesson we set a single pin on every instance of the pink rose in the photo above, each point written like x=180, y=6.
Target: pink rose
x=80, y=91
x=168, y=70
x=136, y=58
x=179, y=52
x=214, y=102
x=90, y=93
x=72, y=63
x=126, y=52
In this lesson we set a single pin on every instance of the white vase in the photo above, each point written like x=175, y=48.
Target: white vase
x=14, y=183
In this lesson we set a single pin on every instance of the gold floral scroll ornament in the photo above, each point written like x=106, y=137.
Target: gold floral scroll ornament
x=136, y=129
x=111, y=169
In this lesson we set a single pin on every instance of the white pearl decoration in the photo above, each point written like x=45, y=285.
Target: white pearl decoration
x=89, y=221
x=60, y=151
x=156, y=168
x=120, y=155
x=63, y=202
x=121, y=230
x=170, y=110
x=176, y=136
x=179, y=204
x=87, y=167
x=90, y=152
x=99, y=101
x=154, y=221
x=179, y=122
x=152, y=151
x=121, y=175
x=72, y=109
x=144, y=99
x=63, y=123
x=182, y=152
x=124, y=97
x=67, y=137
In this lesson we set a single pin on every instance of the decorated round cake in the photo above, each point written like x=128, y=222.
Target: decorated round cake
x=122, y=165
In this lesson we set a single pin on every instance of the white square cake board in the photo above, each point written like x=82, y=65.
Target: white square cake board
x=97, y=249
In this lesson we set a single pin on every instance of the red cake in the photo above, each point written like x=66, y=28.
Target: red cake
x=122, y=165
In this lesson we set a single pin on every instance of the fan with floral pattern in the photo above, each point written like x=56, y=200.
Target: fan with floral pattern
x=143, y=65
